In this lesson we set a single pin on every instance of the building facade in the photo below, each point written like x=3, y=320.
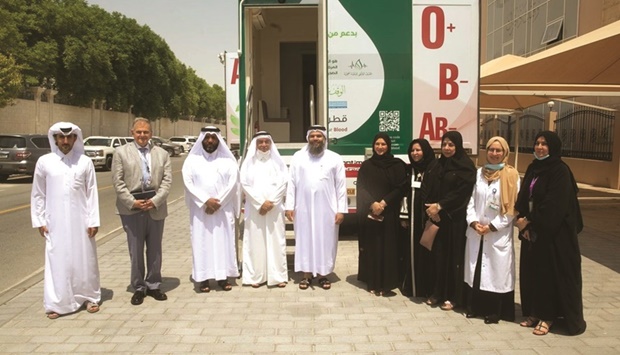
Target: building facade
x=589, y=128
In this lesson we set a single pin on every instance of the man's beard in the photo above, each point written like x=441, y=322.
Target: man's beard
x=316, y=148
x=210, y=148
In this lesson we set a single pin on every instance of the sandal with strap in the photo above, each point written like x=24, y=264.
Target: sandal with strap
x=53, y=315
x=225, y=285
x=204, y=286
x=325, y=284
x=431, y=301
x=92, y=307
x=304, y=283
x=447, y=306
x=542, y=328
x=529, y=322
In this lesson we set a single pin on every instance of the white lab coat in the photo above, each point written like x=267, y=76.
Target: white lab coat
x=498, y=258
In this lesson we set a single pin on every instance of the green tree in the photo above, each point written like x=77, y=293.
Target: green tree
x=95, y=55
x=10, y=80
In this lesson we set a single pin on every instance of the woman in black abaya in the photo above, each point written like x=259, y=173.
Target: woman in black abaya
x=549, y=220
x=450, y=184
x=380, y=186
x=417, y=262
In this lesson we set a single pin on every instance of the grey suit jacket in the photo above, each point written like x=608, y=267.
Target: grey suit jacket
x=127, y=177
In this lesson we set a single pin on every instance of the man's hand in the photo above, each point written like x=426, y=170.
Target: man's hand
x=339, y=218
x=43, y=230
x=266, y=207
x=92, y=231
x=212, y=205
x=290, y=215
x=143, y=205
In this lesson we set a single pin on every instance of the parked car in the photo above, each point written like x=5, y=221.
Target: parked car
x=187, y=141
x=101, y=149
x=19, y=153
x=172, y=148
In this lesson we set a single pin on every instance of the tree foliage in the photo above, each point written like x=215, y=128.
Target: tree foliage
x=95, y=55
x=10, y=80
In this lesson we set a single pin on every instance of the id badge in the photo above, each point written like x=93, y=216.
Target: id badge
x=416, y=184
x=494, y=206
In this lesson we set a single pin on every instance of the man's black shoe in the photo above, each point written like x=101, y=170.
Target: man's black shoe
x=137, y=298
x=157, y=294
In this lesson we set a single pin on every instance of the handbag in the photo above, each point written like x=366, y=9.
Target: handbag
x=429, y=234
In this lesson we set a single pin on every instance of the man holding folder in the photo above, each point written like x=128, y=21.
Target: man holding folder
x=142, y=176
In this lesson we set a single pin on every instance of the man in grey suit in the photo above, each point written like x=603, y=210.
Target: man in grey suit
x=142, y=176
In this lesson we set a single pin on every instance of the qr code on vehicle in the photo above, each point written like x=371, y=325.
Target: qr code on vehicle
x=389, y=121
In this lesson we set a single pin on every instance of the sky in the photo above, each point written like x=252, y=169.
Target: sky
x=195, y=30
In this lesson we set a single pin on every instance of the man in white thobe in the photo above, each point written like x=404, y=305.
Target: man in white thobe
x=65, y=209
x=211, y=179
x=316, y=200
x=263, y=178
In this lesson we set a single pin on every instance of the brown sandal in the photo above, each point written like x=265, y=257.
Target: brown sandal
x=325, y=284
x=204, y=286
x=447, y=306
x=225, y=285
x=431, y=301
x=529, y=322
x=542, y=328
x=304, y=283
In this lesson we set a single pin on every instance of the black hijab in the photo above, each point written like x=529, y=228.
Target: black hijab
x=555, y=155
x=386, y=160
x=428, y=155
x=555, y=152
x=459, y=163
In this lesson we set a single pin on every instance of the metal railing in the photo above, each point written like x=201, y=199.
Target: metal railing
x=586, y=133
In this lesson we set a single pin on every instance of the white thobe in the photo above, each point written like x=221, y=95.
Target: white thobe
x=498, y=254
x=213, y=235
x=65, y=200
x=264, y=239
x=316, y=191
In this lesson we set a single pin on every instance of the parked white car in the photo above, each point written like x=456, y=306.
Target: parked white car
x=101, y=149
x=186, y=141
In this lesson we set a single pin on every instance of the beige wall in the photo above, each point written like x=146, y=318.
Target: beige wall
x=28, y=116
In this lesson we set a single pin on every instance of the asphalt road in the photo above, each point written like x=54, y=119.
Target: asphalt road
x=21, y=246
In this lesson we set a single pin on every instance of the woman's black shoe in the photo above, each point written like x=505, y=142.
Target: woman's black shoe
x=492, y=319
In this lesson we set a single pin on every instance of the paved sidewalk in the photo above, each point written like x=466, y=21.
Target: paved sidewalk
x=345, y=319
